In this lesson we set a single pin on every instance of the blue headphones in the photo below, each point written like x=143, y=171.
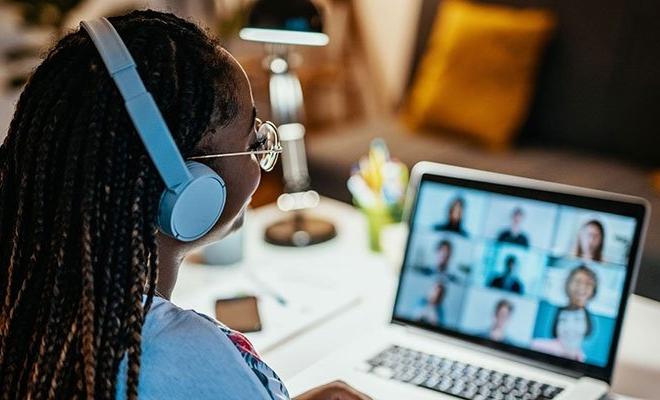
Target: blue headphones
x=195, y=195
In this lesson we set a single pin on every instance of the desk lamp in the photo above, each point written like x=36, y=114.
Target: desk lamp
x=280, y=25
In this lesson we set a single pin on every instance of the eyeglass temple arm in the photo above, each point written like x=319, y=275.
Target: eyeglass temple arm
x=242, y=153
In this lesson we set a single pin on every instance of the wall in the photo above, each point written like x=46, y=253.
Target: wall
x=389, y=28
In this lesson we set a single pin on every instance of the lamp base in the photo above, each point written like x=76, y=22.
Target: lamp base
x=299, y=231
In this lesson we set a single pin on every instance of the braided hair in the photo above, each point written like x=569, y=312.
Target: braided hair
x=79, y=200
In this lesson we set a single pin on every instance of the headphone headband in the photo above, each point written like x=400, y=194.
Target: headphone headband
x=139, y=103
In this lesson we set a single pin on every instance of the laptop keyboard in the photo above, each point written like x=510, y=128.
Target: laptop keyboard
x=455, y=378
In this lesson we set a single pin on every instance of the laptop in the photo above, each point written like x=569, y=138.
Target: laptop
x=510, y=288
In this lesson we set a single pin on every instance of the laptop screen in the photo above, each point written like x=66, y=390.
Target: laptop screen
x=533, y=272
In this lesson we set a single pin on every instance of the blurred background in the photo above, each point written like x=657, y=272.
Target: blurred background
x=555, y=90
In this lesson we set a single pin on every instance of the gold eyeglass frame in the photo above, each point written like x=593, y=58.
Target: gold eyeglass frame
x=277, y=149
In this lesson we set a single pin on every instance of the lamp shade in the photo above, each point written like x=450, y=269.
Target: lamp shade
x=294, y=22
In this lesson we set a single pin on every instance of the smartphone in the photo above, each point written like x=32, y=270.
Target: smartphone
x=239, y=313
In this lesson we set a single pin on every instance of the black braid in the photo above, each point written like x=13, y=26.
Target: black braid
x=79, y=201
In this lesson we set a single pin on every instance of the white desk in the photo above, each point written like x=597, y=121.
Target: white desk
x=347, y=262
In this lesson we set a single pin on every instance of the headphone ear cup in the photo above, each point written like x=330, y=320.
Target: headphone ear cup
x=188, y=213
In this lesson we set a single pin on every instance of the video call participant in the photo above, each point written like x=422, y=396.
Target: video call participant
x=443, y=255
x=87, y=273
x=572, y=323
x=590, y=239
x=430, y=307
x=454, y=218
x=508, y=280
x=501, y=317
x=514, y=234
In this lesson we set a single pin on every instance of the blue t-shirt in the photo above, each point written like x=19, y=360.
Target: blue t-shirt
x=186, y=355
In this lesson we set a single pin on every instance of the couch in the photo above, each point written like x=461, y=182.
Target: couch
x=594, y=120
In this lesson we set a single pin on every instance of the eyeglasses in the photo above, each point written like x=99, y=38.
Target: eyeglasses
x=266, y=150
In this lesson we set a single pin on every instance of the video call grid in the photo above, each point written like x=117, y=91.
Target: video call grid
x=491, y=242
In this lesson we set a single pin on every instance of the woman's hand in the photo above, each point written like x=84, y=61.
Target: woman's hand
x=336, y=390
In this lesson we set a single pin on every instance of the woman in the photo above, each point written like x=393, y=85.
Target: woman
x=454, y=218
x=589, y=245
x=572, y=323
x=443, y=252
x=83, y=261
x=430, y=307
x=501, y=317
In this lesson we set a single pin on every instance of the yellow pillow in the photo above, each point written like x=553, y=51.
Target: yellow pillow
x=477, y=74
x=655, y=180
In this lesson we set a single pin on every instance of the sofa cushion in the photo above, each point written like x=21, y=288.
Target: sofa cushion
x=477, y=75
x=332, y=153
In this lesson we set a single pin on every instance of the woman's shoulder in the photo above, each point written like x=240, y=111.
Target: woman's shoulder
x=185, y=353
x=167, y=319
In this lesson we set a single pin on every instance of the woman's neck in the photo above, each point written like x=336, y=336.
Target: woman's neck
x=170, y=257
x=497, y=333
